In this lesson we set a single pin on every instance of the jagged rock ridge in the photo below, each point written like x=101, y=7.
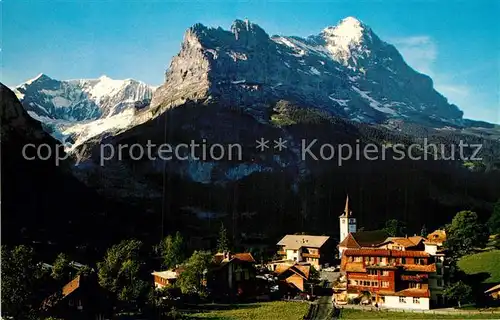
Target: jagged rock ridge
x=345, y=70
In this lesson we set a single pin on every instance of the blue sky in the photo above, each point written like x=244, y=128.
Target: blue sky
x=457, y=43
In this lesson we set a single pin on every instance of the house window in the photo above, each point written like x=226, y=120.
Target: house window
x=343, y=221
x=416, y=300
x=294, y=251
x=402, y=299
x=374, y=283
x=385, y=273
x=385, y=284
x=71, y=302
x=372, y=272
x=247, y=275
x=358, y=259
x=403, y=260
x=238, y=276
x=419, y=261
x=414, y=285
x=382, y=299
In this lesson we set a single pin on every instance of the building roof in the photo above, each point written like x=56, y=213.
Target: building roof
x=413, y=292
x=384, y=253
x=167, y=274
x=224, y=258
x=354, y=267
x=347, y=210
x=301, y=270
x=493, y=289
x=71, y=286
x=246, y=256
x=438, y=236
x=66, y=290
x=296, y=241
x=363, y=239
x=406, y=242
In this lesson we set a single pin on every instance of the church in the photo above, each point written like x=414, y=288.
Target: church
x=347, y=224
x=350, y=238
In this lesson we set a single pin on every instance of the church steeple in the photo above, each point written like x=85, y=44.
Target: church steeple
x=347, y=223
x=346, y=209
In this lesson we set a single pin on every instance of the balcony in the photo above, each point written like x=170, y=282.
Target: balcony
x=418, y=277
x=311, y=255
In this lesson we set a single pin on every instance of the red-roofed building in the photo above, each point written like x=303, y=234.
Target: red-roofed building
x=81, y=298
x=394, y=278
x=293, y=277
x=232, y=275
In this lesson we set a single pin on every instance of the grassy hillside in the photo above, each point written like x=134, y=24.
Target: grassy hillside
x=482, y=262
x=362, y=314
x=278, y=310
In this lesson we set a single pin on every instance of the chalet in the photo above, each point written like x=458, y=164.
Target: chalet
x=494, y=292
x=392, y=278
x=314, y=250
x=437, y=281
x=81, y=298
x=232, y=274
x=165, y=278
x=293, y=278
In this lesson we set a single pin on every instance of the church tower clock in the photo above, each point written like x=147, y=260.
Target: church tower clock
x=347, y=221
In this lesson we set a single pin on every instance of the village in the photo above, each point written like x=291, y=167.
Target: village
x=309, y=277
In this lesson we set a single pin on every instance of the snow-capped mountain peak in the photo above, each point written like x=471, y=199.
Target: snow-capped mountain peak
x=39, y=77
x=346, y=70
x=83, y=107
x=348, y=40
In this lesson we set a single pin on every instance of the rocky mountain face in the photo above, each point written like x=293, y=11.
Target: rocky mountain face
x=80, y=109
x=342, y=86
x=43, y=204
x=346, y=71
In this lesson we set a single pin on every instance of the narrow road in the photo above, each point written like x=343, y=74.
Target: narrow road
x=323, y=308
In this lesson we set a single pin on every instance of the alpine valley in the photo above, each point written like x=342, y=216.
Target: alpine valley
x=343, y=85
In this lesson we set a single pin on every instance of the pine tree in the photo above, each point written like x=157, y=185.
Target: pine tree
x=222, y=242
x=423, y=232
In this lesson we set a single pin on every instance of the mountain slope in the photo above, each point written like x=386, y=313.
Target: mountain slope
x=81, y=109
x=346, y=71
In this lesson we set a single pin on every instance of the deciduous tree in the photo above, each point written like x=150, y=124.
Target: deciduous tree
x=464, y=234
x=395, y=228
x=21, y=287
x=61, y=270
x=172, y=251
x=494, y=221
x=195, y=268
x=120, y=272
x=459, y=292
